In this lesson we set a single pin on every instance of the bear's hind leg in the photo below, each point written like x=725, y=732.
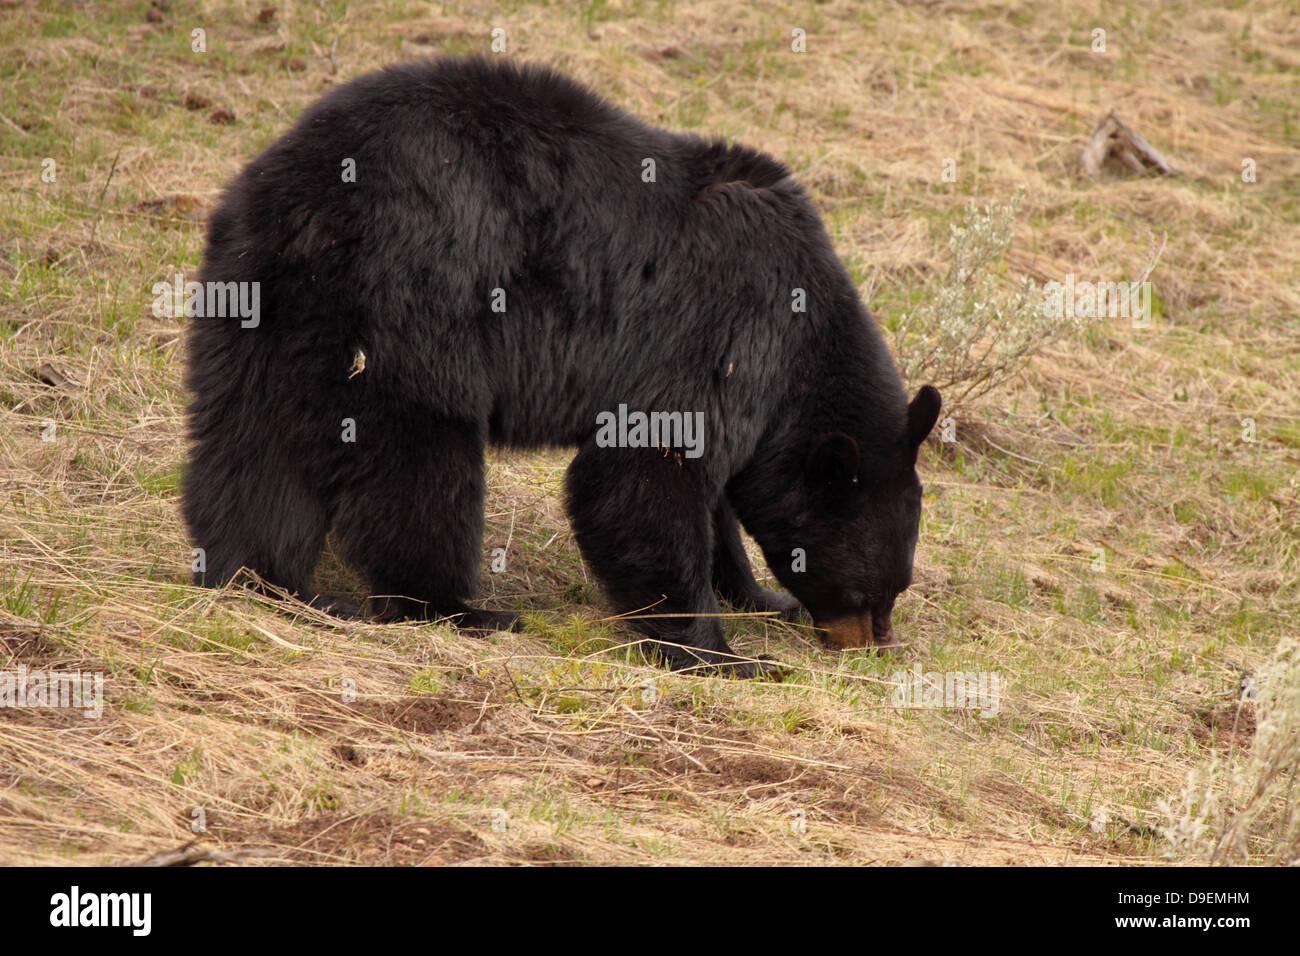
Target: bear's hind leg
x=250, y=509
x=411, y=521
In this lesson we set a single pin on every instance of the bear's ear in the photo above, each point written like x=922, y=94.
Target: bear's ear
x=834, y=462
x=922, y=413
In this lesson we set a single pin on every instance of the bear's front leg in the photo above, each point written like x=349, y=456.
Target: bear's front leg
x=644, y=523
x=733, y=578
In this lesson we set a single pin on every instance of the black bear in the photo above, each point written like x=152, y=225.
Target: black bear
x=462, y=251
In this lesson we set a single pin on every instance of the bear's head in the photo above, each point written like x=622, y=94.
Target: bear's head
x=860, y=511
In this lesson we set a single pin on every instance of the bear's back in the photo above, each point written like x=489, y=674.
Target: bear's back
x=563, y=254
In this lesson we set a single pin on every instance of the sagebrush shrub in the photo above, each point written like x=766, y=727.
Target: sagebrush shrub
x=1243, y=808
x=974, y=332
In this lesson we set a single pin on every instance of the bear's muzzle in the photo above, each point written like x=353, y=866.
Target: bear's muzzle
x=860, y=630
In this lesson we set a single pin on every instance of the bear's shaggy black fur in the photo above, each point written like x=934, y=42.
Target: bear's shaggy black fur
x=670, y=285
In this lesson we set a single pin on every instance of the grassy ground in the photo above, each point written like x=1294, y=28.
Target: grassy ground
x=562, y=744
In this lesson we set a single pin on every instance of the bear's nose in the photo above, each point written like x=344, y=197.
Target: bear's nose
x=882, y=628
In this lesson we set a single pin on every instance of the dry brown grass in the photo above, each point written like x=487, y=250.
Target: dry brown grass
x=1117, y=682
